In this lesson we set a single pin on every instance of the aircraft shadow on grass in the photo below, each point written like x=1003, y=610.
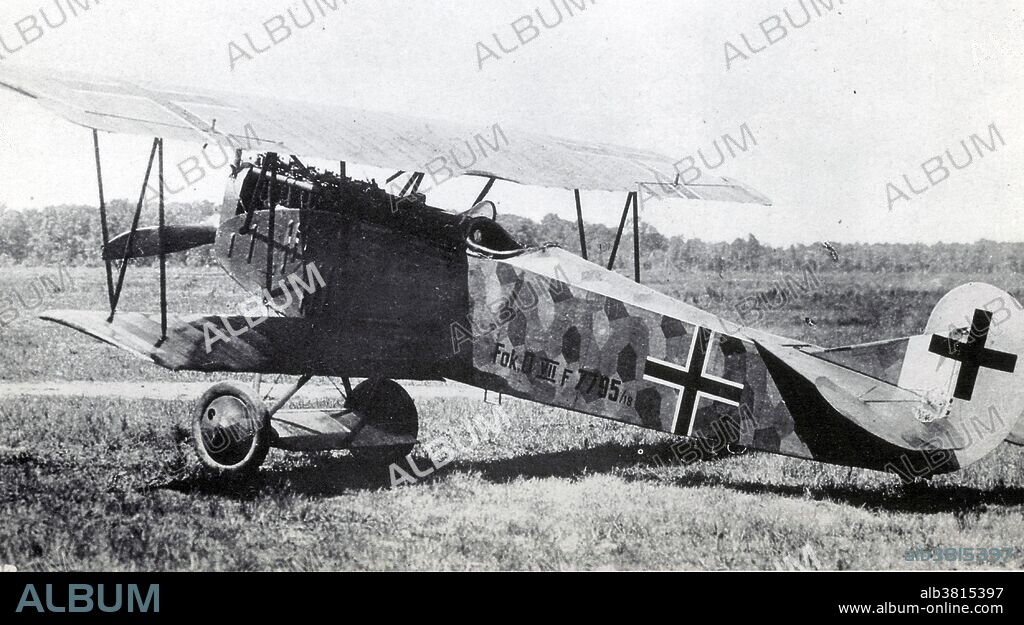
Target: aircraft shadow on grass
x=927, y=498
x=331, y=476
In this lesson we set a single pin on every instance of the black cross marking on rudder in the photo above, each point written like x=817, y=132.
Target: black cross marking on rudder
x=973, y=355
x=691, y=382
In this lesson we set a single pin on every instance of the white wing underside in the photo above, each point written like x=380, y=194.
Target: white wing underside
x=359, y=136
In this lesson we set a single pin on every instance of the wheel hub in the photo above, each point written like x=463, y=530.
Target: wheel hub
x=227, y=430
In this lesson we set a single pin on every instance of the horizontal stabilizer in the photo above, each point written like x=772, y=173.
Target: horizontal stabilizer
x=912, y=435
x=881, y=359
x=1017, y=435
x=153, y=241
x=885, y=411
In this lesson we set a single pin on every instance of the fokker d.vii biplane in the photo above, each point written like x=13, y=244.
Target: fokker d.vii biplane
x=387, y=287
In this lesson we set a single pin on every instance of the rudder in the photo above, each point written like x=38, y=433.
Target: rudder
x=966, y=365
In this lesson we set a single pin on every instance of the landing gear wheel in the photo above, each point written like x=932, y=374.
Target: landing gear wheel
x=231, y=430
x=390, y=409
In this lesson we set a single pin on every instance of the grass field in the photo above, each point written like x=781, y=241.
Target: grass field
x=113, y=484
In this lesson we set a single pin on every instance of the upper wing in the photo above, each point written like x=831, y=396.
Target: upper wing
x=370, y=138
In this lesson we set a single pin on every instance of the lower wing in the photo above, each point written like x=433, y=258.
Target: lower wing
x=204, y=342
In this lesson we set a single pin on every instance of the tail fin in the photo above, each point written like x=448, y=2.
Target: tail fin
x=964, y=369
x=971, y=357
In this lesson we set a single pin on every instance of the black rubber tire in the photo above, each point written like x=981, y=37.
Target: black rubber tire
x=241, y=457
x=389, y=407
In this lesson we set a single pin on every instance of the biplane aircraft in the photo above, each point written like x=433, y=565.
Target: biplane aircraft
x=389, y=287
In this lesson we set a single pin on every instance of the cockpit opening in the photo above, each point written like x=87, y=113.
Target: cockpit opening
x=485, y=236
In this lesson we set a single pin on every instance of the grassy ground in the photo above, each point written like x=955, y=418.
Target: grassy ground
x=112, y=484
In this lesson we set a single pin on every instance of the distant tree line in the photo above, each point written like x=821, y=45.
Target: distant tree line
x=666, y=255
x=70, y=235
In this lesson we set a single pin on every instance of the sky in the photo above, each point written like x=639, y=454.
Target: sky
x=857, y=97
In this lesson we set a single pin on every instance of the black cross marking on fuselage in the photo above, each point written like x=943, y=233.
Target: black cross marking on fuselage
x=692, y=382
x=973, y=355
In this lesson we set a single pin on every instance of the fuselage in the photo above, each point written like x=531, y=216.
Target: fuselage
x=426, y=301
